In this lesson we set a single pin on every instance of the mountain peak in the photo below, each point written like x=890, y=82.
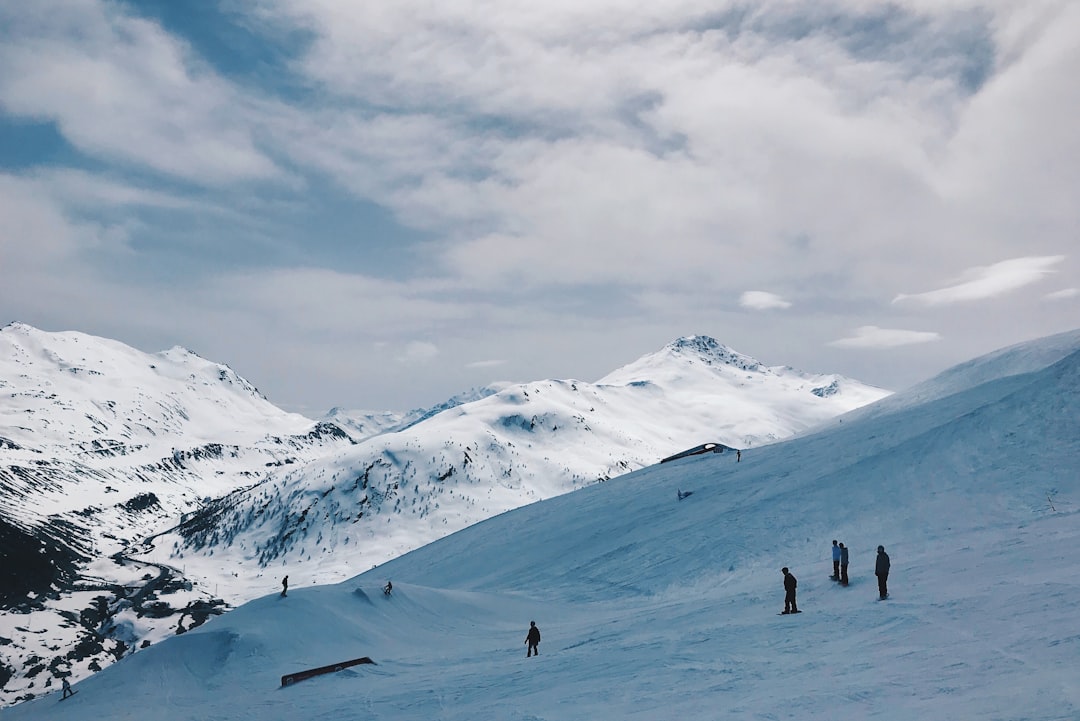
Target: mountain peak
x=712, y=351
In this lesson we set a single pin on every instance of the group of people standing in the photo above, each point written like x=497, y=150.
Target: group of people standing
x=840, y=566
x=881, y=567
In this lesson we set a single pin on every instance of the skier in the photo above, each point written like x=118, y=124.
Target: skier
x=881, y=570
x=843, y=565
x=533, y=640
x=388, y=588
x=835, y=561
x=790, y=582
x=285, y=587
x=67, y=688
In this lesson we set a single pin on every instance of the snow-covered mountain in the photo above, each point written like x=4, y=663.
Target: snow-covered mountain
x=362, y=424
x=652, y=607
x=141, y=493
x=331, y=518
x=100, y=446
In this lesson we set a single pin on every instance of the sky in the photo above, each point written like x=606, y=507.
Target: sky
x=649, y=608
x=379, y=206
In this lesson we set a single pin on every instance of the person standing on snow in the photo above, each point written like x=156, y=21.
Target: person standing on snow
x=790, y=583
x=881, y=570
x=843, y=564
x=67, y=688
x=285, y=586
x=835, y=561
x=533, y=640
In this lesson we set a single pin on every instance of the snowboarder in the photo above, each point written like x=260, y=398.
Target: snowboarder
x=790, y=582
x=843, y=565
x=285, y=587
x=388, y=588
x=68, y=691
x=533, y=640
x=738, y=456
x=881, y=570
x=835, y=561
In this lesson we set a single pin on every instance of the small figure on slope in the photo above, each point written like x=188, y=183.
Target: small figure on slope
x=835, y=561
x=285, y=586
x=843, y=564
x=790, y=583
x=881, y=570
x=388, y=588
x=532, y=640
x=738, y=456
x=68, y=691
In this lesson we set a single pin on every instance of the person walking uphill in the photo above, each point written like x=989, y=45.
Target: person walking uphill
x=835, y=561
x=533, y=640
x=881, y=570
x=285, y=586
x=790, y=583
x=843, y=564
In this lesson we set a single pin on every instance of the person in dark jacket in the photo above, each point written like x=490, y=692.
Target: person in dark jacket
x=790, y=583
x=68, y=691
x=533, y=640
x=285, y=586
x=843, y=564
x=835, y=561
x=881, y=570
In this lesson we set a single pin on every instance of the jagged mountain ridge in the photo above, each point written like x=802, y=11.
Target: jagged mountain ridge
x=389, y=494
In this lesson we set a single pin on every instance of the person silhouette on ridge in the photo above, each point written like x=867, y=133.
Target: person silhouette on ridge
x=285, y=587
x=533, y=640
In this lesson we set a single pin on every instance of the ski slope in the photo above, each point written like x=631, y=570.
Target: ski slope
x=656, y=608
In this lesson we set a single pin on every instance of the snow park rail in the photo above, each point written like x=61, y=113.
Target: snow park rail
x=698, y=450
x=290, y=678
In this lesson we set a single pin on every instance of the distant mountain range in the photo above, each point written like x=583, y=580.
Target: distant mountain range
x=142, y=493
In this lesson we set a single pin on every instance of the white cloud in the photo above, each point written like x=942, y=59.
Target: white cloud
x=121, y=88
x=419, y=352
x=987, y=282
x=870, y=336
x=485, y=364
x=1063, y=294
x=762, y=300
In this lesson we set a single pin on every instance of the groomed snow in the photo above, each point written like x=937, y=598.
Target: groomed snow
x=656, y=608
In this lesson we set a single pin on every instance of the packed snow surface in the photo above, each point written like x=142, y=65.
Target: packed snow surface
x=657, y=608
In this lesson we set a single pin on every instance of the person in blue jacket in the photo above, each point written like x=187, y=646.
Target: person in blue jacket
x=835, y=561
x=881, y=570
x=843, y=564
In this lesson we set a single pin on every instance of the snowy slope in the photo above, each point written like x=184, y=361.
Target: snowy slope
x=101, y=445
x=656, y=608
x=332, y=518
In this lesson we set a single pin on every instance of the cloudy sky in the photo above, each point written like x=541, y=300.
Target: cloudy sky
x=379, y=204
